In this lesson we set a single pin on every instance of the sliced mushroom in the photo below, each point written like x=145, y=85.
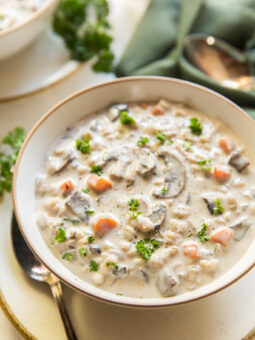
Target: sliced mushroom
x=60, y=161
x=158, y=215
x=167, y=282
x=143, y=274
x=146, y=161
x=240, y=229
x=121, y=272
x=238, y=162
x=115, y=110
x=118, y=170
x=175, y=178
x=95, y=249
x=210, y=199
x=77, y=203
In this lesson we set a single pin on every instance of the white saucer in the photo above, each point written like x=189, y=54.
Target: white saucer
x=44, y=63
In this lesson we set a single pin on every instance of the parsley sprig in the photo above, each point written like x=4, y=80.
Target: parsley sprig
x=84, y=27
x=218, y=209
x=142, y=141
x=133, y=208
x=203, y=234
x=96, y=169
x=206, y=164
x=161, y=137
x=195, y=126
x=83, y=145
x=110, y=263
x=145, y=248
x=126, y=119
x=60, y=236
x=67, y=256
x=93, y=266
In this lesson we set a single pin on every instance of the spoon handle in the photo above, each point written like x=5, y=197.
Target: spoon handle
x=58, y=296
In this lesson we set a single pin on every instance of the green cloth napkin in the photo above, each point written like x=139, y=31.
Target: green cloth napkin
x=156, y=47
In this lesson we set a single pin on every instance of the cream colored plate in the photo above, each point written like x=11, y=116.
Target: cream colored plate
x=43, y=63
x=228, y=315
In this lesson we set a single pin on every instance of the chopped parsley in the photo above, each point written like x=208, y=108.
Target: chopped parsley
x=91, y=239
x=89, y=211
x=14, y=139
x=133, y=208
x=67, y=256
x=170, y=142
x=93, y=266
x=161, y=137
x=72, y=220
x=85, y=29
x=120, y=294
x=203, y=234
x=145, y=248
x=189, y=235
x=60, y=236
x=108, y=264
x=206, y=164
x=83, y=145
x=126, y=119
x=142, y=141
x=83, y=252
x=195, y=126
x=218, y=209
x=187, y=145
x=96, y=169
x=86, y=190
x=164, y=191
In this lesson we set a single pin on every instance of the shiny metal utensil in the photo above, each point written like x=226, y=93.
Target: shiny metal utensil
x=37, y=271
x=220, y=61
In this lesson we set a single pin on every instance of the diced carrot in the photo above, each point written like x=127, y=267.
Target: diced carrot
x=220, y=174
x=99, y=184
x=67, y=186
x=104, y=225
x=143, y=106
x=222, y=235
x=190, y=249
x=158, y=110
x=226, y=144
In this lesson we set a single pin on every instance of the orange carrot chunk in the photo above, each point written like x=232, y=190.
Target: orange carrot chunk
x=104, y=225
x=158, y=110
x=67, y=186
x=222, y=235
x=99, y=184
x=226, y=144
x=220, y=174
x=190, y=249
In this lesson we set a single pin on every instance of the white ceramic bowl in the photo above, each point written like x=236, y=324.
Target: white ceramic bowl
x=15, y=38
x=54, y=123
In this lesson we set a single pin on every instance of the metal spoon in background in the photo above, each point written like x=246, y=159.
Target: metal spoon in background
x=220, y=61
x=38, y=272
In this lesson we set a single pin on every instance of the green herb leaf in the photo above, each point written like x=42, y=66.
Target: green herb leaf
x=126, y=119
x=219, y=209
x=91, y=239
x=206, y=164
x=134, y=214
x=83, y=252
x=145, y=248
x=60, y=236
x=187, y=145
x=89, y=211
x=142, y=141
x=108, y=264
x=164, y=191
x=96, y=169
x=72, y=220
x=203, y=234
x=93, y=266
x=86, y=190
x=67, y=256
x=84, y=27
x=83, y=145
x=170, y=142
x=8, y=158
x=189, y=235
x=195, y=126
x=161, y=137
x=133, y=204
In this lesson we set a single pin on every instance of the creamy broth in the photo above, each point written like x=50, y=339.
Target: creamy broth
x=147, y=199
x=13, y=12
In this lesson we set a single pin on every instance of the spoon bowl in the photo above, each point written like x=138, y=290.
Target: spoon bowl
x=220, y=61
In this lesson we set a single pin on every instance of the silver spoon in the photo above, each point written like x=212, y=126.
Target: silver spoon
x=38, y=272
x=220, y=61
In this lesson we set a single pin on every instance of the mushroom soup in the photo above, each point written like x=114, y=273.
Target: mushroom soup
x=147, y=199
x=13, y=12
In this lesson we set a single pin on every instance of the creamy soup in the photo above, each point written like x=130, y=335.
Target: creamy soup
x=147, y=199
x=13, y=12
